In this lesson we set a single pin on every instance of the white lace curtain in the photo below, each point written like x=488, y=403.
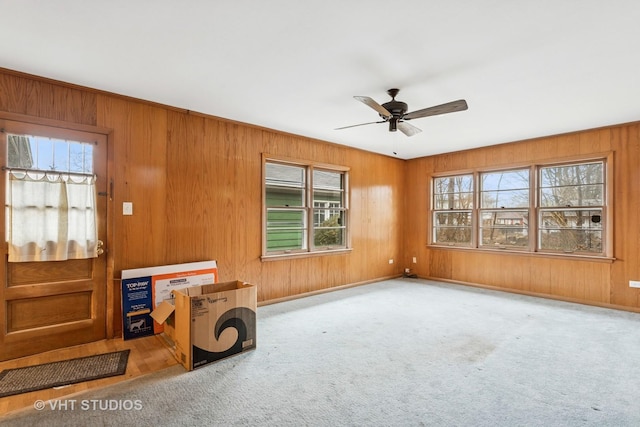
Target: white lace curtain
x=51, y=216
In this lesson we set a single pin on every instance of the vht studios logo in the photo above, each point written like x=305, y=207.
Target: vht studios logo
x=88, y=405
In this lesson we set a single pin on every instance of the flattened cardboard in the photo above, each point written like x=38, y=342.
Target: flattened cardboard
x=144, y=289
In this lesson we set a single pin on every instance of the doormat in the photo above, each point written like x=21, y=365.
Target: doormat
x=55, y=374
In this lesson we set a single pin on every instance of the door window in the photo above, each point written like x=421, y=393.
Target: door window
x=51, y=199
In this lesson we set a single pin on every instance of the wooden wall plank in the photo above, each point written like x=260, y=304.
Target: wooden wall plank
x=41, y=99
x=626, y=143
x=137, y=168
x=139, y=137
x=13, y=97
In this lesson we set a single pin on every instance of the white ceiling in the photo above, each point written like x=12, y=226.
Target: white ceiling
x=526, y=68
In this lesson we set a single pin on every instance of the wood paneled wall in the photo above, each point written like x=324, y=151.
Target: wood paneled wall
x=196, y=186
x=592, y=282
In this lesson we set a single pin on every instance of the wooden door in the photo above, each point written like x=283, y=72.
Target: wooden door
x=52, y=304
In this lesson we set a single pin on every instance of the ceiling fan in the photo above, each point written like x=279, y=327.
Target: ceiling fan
x=395, y=112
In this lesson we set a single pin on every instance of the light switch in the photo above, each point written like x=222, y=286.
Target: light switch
x=127, y=208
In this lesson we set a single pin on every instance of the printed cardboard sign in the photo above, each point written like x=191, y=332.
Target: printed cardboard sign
x=136, y=307
x=144, y=289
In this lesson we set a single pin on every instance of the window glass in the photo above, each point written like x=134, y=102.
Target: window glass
x=503, y=222
x=330, y=231
x=452, y=228
x=286, y=229
x=328, y=213
x=453, y=214
x=285, y=185
x=572, y=207
x=505, y=228
x=453, y=192
x=571, y=230
x=293, y=225
x=50, y=199
x=49, y=154
x=508, y=189
x=572, y=185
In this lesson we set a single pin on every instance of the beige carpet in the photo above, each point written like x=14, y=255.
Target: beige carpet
x=397, y=353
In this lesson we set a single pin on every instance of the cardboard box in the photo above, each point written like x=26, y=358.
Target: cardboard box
x=210, y=322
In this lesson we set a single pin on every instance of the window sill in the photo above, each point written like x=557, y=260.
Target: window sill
x=571, y=256
x=279, y=257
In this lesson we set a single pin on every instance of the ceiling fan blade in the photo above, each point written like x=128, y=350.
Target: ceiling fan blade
x=373, y=104
x=449, y=107
x=408, y=129
x=361, y=124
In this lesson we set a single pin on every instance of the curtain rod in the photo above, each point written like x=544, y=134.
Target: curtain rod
x=25, y=170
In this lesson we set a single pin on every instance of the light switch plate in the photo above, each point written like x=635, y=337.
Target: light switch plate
x=127, y=208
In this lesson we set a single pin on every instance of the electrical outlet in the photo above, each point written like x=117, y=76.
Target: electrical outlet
x=391, y=261
x=634, y=284
x=415, y=260
x=127, y=208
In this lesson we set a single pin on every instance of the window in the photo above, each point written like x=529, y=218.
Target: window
x=559, y=208
x=571, y=208
x=305, y=208
x=504, y=209
x=285, y=197
x=50, y=199
x=453, y=210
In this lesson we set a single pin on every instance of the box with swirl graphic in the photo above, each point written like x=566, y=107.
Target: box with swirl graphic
x=211, y=322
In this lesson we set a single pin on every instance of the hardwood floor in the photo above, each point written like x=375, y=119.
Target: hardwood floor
x=147, y=355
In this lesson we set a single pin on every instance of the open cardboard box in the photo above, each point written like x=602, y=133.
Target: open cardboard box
x=207, y=323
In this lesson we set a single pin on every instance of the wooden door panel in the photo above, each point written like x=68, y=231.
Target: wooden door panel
x=23, y=273
x=30, y=313
x=53, y=304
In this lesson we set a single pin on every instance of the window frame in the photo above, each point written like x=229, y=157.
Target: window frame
x=540, y=209
x=54, y=130
x=481, y=209
x=534, y=209
x=309, y=208
x=435, y=211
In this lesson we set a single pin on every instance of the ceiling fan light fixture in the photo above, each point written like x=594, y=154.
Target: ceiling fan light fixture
x=395, y=112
